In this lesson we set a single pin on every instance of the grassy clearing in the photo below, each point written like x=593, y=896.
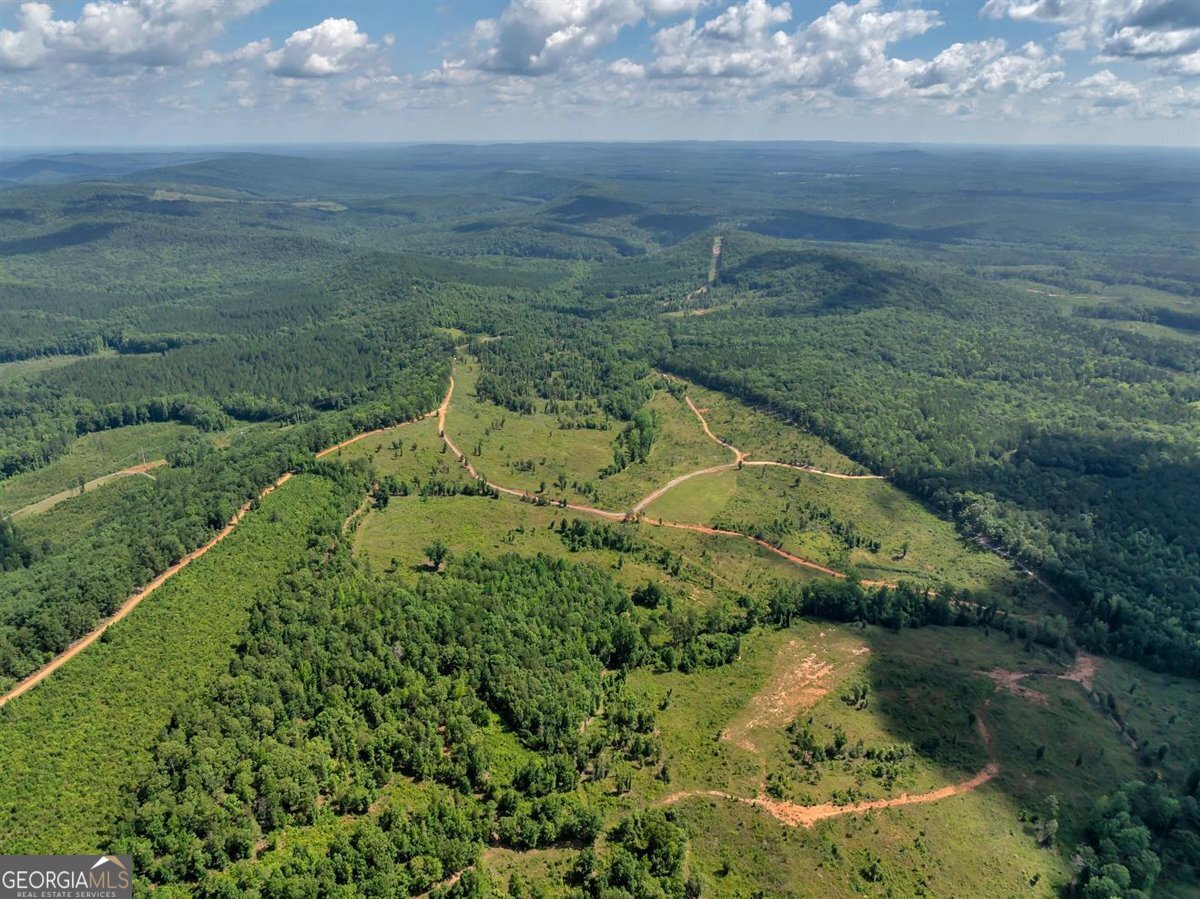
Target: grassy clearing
x=72, y=746
x=1152, y=329
x=545, y=867
x=1162, y=710
x=733, y=559
x=394, y=539
x=90, y=457
x=321, y=205
x=530, y=452
x=680, y=446
x=408, y=451
x=751, y=499
x=708, y=745
x=698, y=500
x=11, y=371
x=765, y=437
x=510, y=442
x=911, y=851
x=725, y=730
x=700, y=709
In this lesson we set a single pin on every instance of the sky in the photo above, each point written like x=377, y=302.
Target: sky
x=198, y=72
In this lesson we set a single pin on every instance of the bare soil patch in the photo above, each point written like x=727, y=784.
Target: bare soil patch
x=1011, y=681
x=801, y=678
x=1083, y=672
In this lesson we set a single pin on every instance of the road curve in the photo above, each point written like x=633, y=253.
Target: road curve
x=794, y=815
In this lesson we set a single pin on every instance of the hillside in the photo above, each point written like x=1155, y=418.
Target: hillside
x=666, y=520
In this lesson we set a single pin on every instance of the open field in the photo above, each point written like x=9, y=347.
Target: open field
x=766, y=438
x=395, y=538
x=726, y=730
x=774, y=502
x=92, y=456
x=529, y=451
x=848, y=524
x=409, y=451
x=10, y=371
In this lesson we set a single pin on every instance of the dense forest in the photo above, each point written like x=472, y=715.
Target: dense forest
x=1063, y=443
x=1022, y=361
x=344, y=682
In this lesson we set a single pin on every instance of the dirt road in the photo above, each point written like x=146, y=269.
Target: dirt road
x=132, y=602
x=795, y=815
x=714, y=267
x=500, y=488
x=740, y=456
x=444, y=409
x=45, y=505
x=825, y=474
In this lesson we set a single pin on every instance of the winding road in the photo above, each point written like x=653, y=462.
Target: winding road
x=796, y=815
x=442, y=412
x=635, y=512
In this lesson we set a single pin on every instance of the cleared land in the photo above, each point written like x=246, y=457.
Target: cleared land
x=90, y=458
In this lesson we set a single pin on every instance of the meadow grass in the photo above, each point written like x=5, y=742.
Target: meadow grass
x=394, y=540
x=755, y=496
x=408, y=451
x=1161, y=708
x=911, y=851
x=926, y=688
x=765, y=437
x=545, y=867
x=90, y=457
x=738, y=849
x=529, y=451
x=507, y=439
x=680, y=446
x=11, y=371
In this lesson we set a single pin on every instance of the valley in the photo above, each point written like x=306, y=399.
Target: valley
x=372, y=526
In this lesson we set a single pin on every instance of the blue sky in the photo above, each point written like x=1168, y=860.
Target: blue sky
x=144, y=72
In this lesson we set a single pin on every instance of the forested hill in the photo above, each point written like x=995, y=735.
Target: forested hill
x=1023, y=359
x=604, y=521
x=1075, y=447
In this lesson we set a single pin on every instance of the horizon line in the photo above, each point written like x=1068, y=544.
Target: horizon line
x=35, y=149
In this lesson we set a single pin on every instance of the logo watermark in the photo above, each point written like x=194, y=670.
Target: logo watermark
x=66, y=877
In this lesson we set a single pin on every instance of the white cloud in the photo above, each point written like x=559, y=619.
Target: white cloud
x=627, y=68
x=1165, y=33
x=743, y=55
x=557, y=65
x=1105, y=90
x=745, y=42
x=984, y=66
x=1180, y=99
x=332, y=47
x=245, y=53
x=536, y=37
x=118, y=34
